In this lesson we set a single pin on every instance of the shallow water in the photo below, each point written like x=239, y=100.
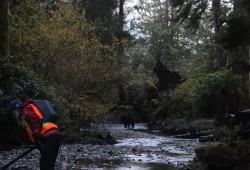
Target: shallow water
x=153, y=151
x=123, y=165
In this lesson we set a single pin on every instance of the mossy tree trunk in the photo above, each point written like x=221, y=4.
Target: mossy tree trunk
x=246, y=78
x=245, y=73
x=241, y=8
x=242, y=67
x=4, y=36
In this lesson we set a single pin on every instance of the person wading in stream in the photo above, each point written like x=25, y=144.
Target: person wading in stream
x=45, y=135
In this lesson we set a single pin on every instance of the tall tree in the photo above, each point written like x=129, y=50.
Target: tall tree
x=216, y=14
x=193, y=10
x=236, y=30
x=167, y=41
x=121, y=14
x=99, y=9
x=4, y=35
x=231, y=25
x=216, y=8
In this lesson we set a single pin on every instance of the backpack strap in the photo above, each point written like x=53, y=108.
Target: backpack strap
x=37, y=111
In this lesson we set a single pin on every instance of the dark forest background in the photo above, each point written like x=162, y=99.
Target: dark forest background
x=174, y=59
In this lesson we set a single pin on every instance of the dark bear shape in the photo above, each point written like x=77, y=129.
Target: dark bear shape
x=127, y=121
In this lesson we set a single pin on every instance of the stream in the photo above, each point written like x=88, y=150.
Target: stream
x=136, y=149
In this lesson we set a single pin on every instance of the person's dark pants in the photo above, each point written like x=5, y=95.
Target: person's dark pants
x=49, y=152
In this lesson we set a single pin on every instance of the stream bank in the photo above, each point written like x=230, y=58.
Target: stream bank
x=135, y=149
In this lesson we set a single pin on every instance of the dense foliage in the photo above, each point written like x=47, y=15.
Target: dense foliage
x=56, y=54
x=64, y=49
x=220, y=156
x=205, y=94
x=79, y=56
x=19, y=81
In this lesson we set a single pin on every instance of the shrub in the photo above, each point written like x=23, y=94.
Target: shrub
x=204, y=94
x=224, y=156
x=21, y=82
x=200, y=97
x=180, y=103
x=217, y=156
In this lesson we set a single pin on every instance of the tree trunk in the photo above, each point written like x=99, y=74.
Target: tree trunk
x=4, y=38
x=216, y=8
x=243, y=59
x=241, y=67
x=165, y=43
x=248, y=90
x=166, y=15
x=121, y=15
x=245, y=73
x=216, y=15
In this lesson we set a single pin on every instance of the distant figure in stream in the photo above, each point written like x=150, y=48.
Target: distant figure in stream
x=127, y=121
x=43, y=133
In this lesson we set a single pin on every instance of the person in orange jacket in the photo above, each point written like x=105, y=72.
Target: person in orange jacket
x=45, y=135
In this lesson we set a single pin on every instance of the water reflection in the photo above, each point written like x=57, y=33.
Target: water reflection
x=104, y=164
x=161, y=149
x=147, y=166
x=137, y=149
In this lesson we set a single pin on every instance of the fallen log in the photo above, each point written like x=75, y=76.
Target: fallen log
x=189, y=135
x=209, y=138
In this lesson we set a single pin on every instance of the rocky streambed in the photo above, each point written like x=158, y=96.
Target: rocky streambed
x=136, y=149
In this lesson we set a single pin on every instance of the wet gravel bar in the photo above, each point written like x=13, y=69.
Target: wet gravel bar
x=135, y=149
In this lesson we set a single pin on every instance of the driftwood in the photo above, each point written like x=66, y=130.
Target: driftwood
x=189, y=135
x=209, y=138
